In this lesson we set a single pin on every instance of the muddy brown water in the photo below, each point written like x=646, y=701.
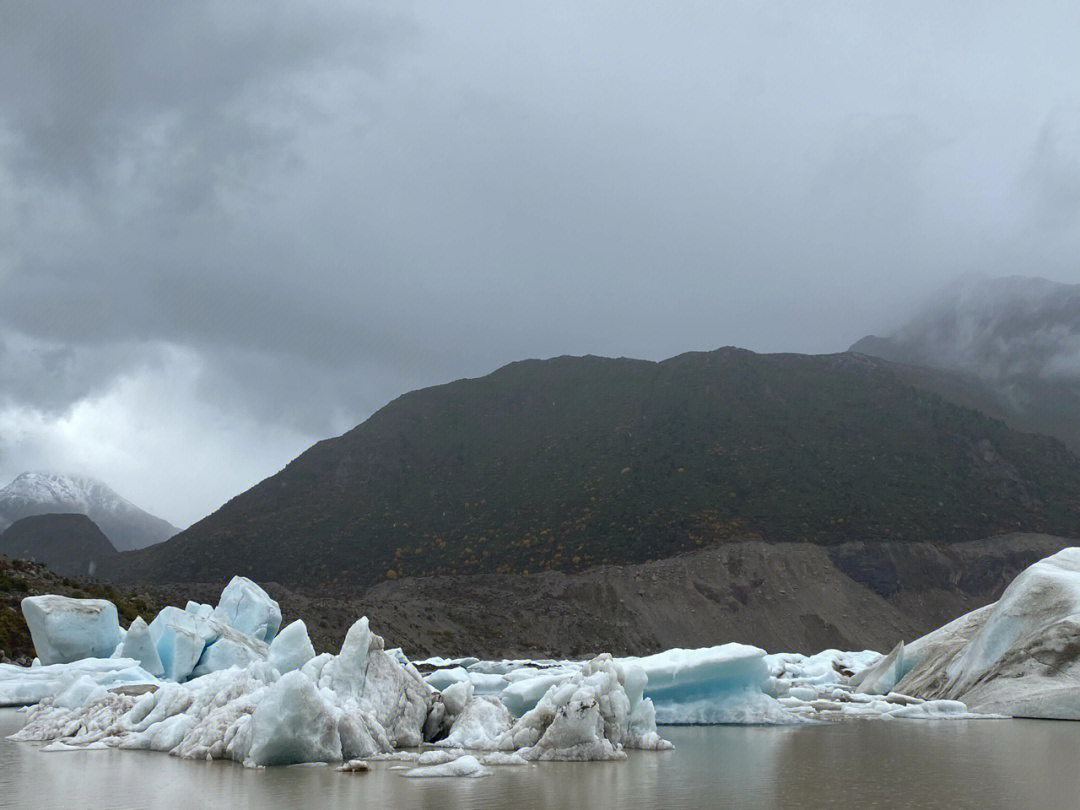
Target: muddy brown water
x=982, y=765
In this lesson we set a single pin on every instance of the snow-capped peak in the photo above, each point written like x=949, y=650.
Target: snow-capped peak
x=55, y=489
x=126, y=525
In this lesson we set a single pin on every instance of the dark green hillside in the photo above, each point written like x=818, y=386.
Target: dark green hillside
x=573, y=461
x=71, y=545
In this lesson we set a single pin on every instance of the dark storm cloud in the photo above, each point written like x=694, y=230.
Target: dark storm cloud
x=289, y=213
x=86, y=79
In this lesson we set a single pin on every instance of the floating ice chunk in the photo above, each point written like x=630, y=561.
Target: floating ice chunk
x=65, y=630
x=724, y=684
x=575, y=733
x=180, y=638
x=291, y=648
x=231, y=649
x=139, y=645
x=462, y=766
x=479, y=724
x=246, y=607
x=438, y=757
x=587, y=716
x=61, y=746
x=935, y=710
x=293, y=724
x=354, y=766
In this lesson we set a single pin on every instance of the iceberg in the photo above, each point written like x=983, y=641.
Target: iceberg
x=65, y=630
x=592, y=715
x=246, y=607
x=1019, y=656
x=724, y=684
x=139, y=645
x=291, y=648
x=462, y=766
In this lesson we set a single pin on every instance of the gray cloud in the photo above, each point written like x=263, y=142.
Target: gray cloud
x=318, y=207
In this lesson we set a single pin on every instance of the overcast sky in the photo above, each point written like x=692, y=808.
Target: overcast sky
x=228, y=230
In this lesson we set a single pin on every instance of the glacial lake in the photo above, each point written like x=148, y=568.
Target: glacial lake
x=977, y=764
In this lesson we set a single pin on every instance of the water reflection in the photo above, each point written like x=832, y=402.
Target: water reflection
x=983, y=765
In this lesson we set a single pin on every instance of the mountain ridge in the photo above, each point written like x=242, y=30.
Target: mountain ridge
x=37, y=493
x=1019, y=336
x=70, y=544
x=571, y=462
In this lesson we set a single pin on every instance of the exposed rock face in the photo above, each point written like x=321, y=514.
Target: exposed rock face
x=71, y=545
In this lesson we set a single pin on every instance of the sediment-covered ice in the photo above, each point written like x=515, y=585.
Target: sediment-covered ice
x=882, y=676
x=1019, y=656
